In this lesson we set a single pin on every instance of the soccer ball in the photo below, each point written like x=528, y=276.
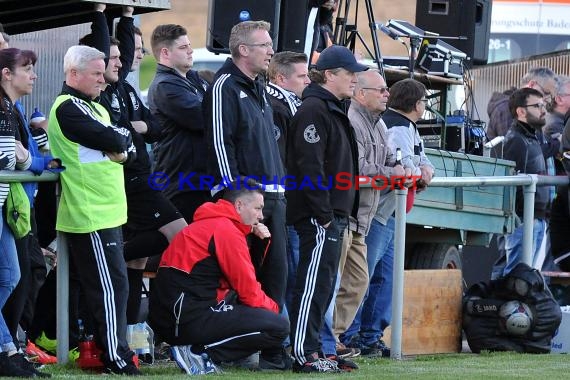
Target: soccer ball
x=516, y=317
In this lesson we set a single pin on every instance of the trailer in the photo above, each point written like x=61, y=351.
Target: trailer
x=444, y=219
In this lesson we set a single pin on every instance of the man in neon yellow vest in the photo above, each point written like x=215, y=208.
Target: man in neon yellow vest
x=93, y=205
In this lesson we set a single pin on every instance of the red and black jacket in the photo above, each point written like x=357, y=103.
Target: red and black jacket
x=201, y=265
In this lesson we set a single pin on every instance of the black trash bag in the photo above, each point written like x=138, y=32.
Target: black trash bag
x=513, y=313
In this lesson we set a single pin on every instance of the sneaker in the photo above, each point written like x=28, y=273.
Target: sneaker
x=19, y=360
x=343, y=364
x=128, y=370
x=162, y=353
x=376, y=350
x=73, y=354
x=249, y=362
x=191, y=363
x=344, y=352
x=39, y=356
x=8, y=368
x=282, y=362
x=315, y=364
x=45, y=343
x=209, y=366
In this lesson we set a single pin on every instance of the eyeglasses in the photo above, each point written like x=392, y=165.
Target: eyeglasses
x=535, y=105
x=424, y=100
x=382, y=90
x=266, y=45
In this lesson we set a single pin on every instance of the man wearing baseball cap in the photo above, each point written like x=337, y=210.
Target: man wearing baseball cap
x=321, y=145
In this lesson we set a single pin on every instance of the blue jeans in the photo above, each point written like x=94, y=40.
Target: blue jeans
x=9, y=277
x=292, y=262
x=513, y=246
x=375, y=313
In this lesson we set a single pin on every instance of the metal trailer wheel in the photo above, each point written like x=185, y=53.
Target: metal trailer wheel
x=434, y=256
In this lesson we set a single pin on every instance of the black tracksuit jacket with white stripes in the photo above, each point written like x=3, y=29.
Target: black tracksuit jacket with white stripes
x=239, y=128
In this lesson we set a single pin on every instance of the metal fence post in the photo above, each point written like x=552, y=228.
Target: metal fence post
x=528, y=219
x=62, y=303
x=62, y=296
x=398, y=284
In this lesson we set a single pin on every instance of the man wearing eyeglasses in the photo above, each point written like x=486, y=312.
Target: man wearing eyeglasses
x=365, y=247
x=541, y=79
x=241, y=139
x=522, y=145
x=553, y=129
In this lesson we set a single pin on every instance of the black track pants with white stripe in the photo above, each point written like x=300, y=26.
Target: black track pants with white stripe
x=98, y=257
x=319, y=254
x=232, y=332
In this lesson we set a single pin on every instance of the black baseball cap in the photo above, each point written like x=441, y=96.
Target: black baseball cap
x=337, y=56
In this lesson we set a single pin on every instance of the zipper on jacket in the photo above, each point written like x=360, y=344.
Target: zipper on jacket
x=177, y=313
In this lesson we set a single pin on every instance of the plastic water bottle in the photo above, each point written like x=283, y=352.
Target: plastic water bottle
x=37, y=116
x=140, y=339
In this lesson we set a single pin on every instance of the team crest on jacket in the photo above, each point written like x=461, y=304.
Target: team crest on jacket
x=115, y=103
x=276, y=132
x=311, y=135
x=134, y=101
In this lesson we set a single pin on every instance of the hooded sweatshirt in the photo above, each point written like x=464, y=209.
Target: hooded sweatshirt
x=202, y=264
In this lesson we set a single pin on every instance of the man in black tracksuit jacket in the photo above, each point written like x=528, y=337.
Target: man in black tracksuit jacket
x=175, y=99
x=321, y=150
x=241, y=139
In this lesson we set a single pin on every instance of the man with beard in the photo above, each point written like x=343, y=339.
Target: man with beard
x=522, y=145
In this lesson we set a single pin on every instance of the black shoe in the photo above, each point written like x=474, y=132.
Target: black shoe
x=315, y=364
x=376, y=350
x=128, y=370
x=281, y=363
x=342, y=363
x=249, y=362
x=21, y=361
x=9, y=369
x=345, y=352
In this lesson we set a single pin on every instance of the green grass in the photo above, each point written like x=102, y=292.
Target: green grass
x=452, y=366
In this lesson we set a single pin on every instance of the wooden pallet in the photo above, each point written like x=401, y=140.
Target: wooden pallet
x=432, y=312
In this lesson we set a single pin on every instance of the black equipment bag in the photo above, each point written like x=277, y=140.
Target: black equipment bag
x=485, y=328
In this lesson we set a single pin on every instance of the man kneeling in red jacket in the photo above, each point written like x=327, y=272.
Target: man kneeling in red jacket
x=205, y=301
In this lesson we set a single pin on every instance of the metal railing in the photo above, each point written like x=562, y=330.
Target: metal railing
x=62, y=267
x=529, y=181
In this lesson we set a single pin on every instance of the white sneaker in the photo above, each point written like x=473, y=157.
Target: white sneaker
x=191, y=363
x=188, y=361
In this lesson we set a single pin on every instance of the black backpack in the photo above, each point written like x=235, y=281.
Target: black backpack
x=485, y=321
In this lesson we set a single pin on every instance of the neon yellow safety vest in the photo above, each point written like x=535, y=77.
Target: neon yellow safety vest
x=93, y=189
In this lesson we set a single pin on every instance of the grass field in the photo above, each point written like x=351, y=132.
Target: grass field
x=451, y=366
